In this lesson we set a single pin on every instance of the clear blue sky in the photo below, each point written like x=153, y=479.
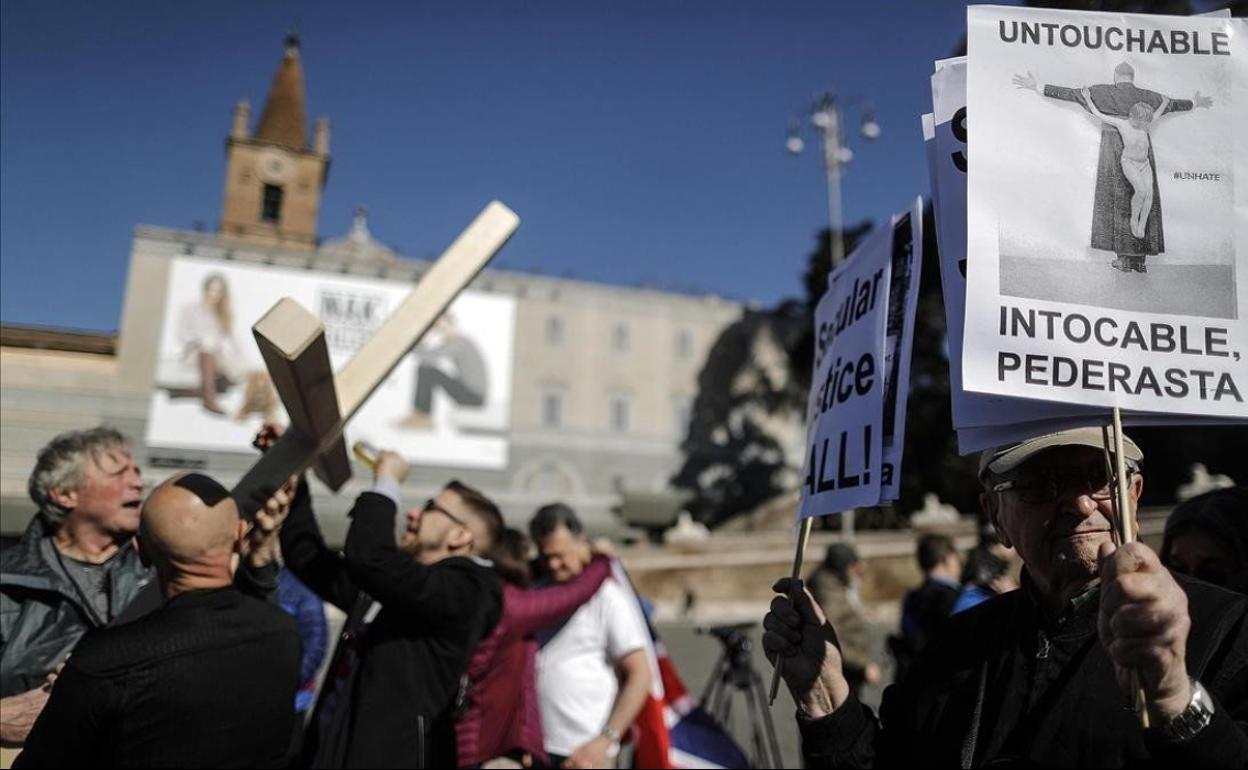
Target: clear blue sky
x=639, y=141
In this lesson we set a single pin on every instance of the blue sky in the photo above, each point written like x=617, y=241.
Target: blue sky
x=639, y=141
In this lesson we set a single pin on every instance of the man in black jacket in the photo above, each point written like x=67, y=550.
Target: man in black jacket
x=415, y=612
x=206, y=680
x=1043, y=676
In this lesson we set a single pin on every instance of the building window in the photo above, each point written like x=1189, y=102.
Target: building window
x=619, y=337
x=621, y=406
x=554, y=330
x=682, y=410
x=684, y=344
x=552, y=406
x=272, y=210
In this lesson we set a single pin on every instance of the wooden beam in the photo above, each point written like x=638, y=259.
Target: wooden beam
x=292, y=343
x=320, y=404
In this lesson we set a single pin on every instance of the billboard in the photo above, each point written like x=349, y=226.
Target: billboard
x=446, y=404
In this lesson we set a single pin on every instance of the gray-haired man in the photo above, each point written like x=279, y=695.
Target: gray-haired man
x=74, y=569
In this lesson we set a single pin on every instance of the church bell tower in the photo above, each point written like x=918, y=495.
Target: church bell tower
x=273, y=179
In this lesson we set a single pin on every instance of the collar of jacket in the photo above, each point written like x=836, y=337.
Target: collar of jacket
x=25, y=565
x=1078, y=615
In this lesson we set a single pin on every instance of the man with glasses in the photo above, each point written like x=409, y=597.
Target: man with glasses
x=1043, y=676
x=416, y=609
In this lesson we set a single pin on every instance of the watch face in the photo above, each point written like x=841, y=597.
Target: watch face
x=274, y=167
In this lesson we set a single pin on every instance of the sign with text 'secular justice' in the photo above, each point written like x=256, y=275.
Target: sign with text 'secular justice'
x=1107, y=211
x=845, y=411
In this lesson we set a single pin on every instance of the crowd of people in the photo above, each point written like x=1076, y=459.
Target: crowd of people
x=184, y=627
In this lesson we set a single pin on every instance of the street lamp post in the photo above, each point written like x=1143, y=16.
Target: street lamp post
x=827, y=118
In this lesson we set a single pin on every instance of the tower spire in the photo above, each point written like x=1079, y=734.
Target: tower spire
x=283, y=120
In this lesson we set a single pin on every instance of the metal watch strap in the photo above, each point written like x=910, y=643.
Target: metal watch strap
x=1189, y=722
x=611, y=734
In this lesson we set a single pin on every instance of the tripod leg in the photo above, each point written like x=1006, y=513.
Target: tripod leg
x=769, y=727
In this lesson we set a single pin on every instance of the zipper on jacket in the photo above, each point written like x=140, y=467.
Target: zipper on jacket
x=1042, y=646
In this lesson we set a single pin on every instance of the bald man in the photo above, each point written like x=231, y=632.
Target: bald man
x=206, y=680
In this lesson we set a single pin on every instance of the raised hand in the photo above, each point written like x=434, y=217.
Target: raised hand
x=1027, y=81
x=392, y=465
x=798, y=631
x=1143, y=626
x=269, y=433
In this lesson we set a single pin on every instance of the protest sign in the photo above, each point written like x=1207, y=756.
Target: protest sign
x=845, y=411
x=948, y=170
x=1107, y=210
x=903, y=299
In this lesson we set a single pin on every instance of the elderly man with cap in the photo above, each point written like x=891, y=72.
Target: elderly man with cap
x=1043, y=676
x=206, y=680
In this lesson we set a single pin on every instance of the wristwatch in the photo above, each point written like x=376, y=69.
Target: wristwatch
x=1191, y=720
x=613, y=735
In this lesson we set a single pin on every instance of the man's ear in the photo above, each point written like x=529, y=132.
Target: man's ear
x=990, y=503
x=460, y=538
x=240, y=535
x=1137, y=486
x=66, y=499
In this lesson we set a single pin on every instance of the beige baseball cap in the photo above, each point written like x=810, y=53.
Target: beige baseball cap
x=1004, y=459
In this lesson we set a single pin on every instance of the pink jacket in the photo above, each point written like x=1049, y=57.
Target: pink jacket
x=503, y=714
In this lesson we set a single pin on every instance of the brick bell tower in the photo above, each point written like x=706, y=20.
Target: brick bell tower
x=273, y=180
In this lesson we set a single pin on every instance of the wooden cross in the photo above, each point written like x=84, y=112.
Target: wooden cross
x=320, y=403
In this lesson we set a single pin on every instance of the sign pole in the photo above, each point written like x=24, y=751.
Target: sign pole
x=800, y=556
x=1126, y=534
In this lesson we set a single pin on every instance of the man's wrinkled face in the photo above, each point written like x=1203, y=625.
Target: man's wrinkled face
x=436, y=528
x=1057, y=514
x=111, y=492
x=564, y=554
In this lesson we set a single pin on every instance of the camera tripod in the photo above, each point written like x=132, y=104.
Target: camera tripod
x=735, y=672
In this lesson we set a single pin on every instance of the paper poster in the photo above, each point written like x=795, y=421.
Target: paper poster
x=1107, y=210
x=845, y=411
x=903, y=299
x=446, y=404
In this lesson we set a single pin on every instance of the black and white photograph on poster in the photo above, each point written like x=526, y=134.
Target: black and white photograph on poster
x=1126, y=230
x=845, y=410
x=903, y=298
x=1080, y=290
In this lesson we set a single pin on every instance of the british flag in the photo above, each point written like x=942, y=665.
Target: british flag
x=673, y=730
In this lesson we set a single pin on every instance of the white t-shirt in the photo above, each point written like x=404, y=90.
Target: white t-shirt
x=576, y=681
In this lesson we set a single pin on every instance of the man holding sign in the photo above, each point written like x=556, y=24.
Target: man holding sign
x=1041, y=676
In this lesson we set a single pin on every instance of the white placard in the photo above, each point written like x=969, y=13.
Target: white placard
x=461, y=371
x=947, y=159
x=845, y=411
x=1050, y=207
x=903, y=300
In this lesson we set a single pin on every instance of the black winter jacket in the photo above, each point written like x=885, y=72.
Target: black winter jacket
x=1003, y=687
x=389, y=695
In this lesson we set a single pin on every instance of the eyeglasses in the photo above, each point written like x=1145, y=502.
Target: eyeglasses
x=1041, y=488
x=430, y=505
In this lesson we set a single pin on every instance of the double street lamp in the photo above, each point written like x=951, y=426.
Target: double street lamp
x=827, y=117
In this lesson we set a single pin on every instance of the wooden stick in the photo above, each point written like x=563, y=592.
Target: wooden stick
x=1126, y=534
x=799, y=557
